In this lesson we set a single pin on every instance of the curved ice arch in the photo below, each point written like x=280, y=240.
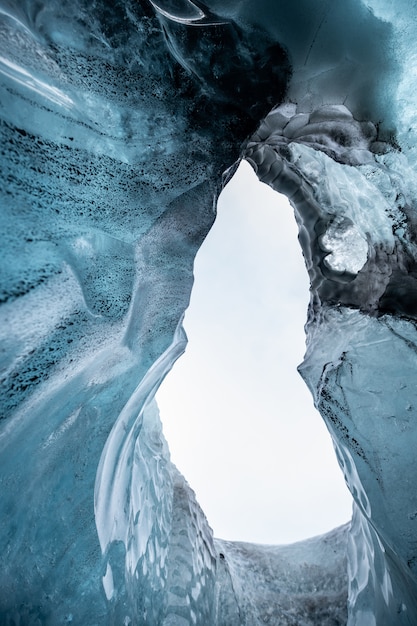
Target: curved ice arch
x=112, y=161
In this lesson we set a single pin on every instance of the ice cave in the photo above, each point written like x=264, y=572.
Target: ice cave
x=121, y=122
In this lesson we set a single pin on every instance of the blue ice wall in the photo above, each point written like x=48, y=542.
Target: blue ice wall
x=120, y=122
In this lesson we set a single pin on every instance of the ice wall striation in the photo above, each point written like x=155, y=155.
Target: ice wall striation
x=120, y=122
x=350, y=175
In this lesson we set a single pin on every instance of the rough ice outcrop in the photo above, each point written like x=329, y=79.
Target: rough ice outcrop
x=120, y=121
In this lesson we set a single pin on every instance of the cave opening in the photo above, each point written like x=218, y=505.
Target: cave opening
x=239, y=420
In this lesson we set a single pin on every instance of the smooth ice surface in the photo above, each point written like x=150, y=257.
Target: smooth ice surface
x=120, y=122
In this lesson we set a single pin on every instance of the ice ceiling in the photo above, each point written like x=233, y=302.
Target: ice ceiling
x=121, y=121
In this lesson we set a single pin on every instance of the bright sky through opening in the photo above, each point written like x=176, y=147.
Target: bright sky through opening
x=239, y=420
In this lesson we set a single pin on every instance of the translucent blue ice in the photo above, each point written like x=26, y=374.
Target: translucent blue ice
x=120, y=122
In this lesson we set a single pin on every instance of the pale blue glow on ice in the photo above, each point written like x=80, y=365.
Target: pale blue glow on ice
x=118, y=121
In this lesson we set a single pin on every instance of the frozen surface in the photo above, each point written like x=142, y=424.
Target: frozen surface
x=118, y=122
x=301, y=583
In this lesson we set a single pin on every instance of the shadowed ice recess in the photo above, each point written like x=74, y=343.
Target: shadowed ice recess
x=121, y=122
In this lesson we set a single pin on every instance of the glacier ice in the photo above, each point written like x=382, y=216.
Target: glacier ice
x=120, y=123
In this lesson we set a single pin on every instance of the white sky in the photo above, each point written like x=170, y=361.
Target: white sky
x=239, y=420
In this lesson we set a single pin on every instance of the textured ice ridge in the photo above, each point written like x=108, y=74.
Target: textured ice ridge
x=120, y=122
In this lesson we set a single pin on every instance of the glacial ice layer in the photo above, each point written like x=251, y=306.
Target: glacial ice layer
x=121, y=121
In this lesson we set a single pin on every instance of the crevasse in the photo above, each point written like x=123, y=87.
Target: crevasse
x=120, y=123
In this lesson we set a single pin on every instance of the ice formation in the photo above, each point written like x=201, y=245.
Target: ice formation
x=120, y=122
